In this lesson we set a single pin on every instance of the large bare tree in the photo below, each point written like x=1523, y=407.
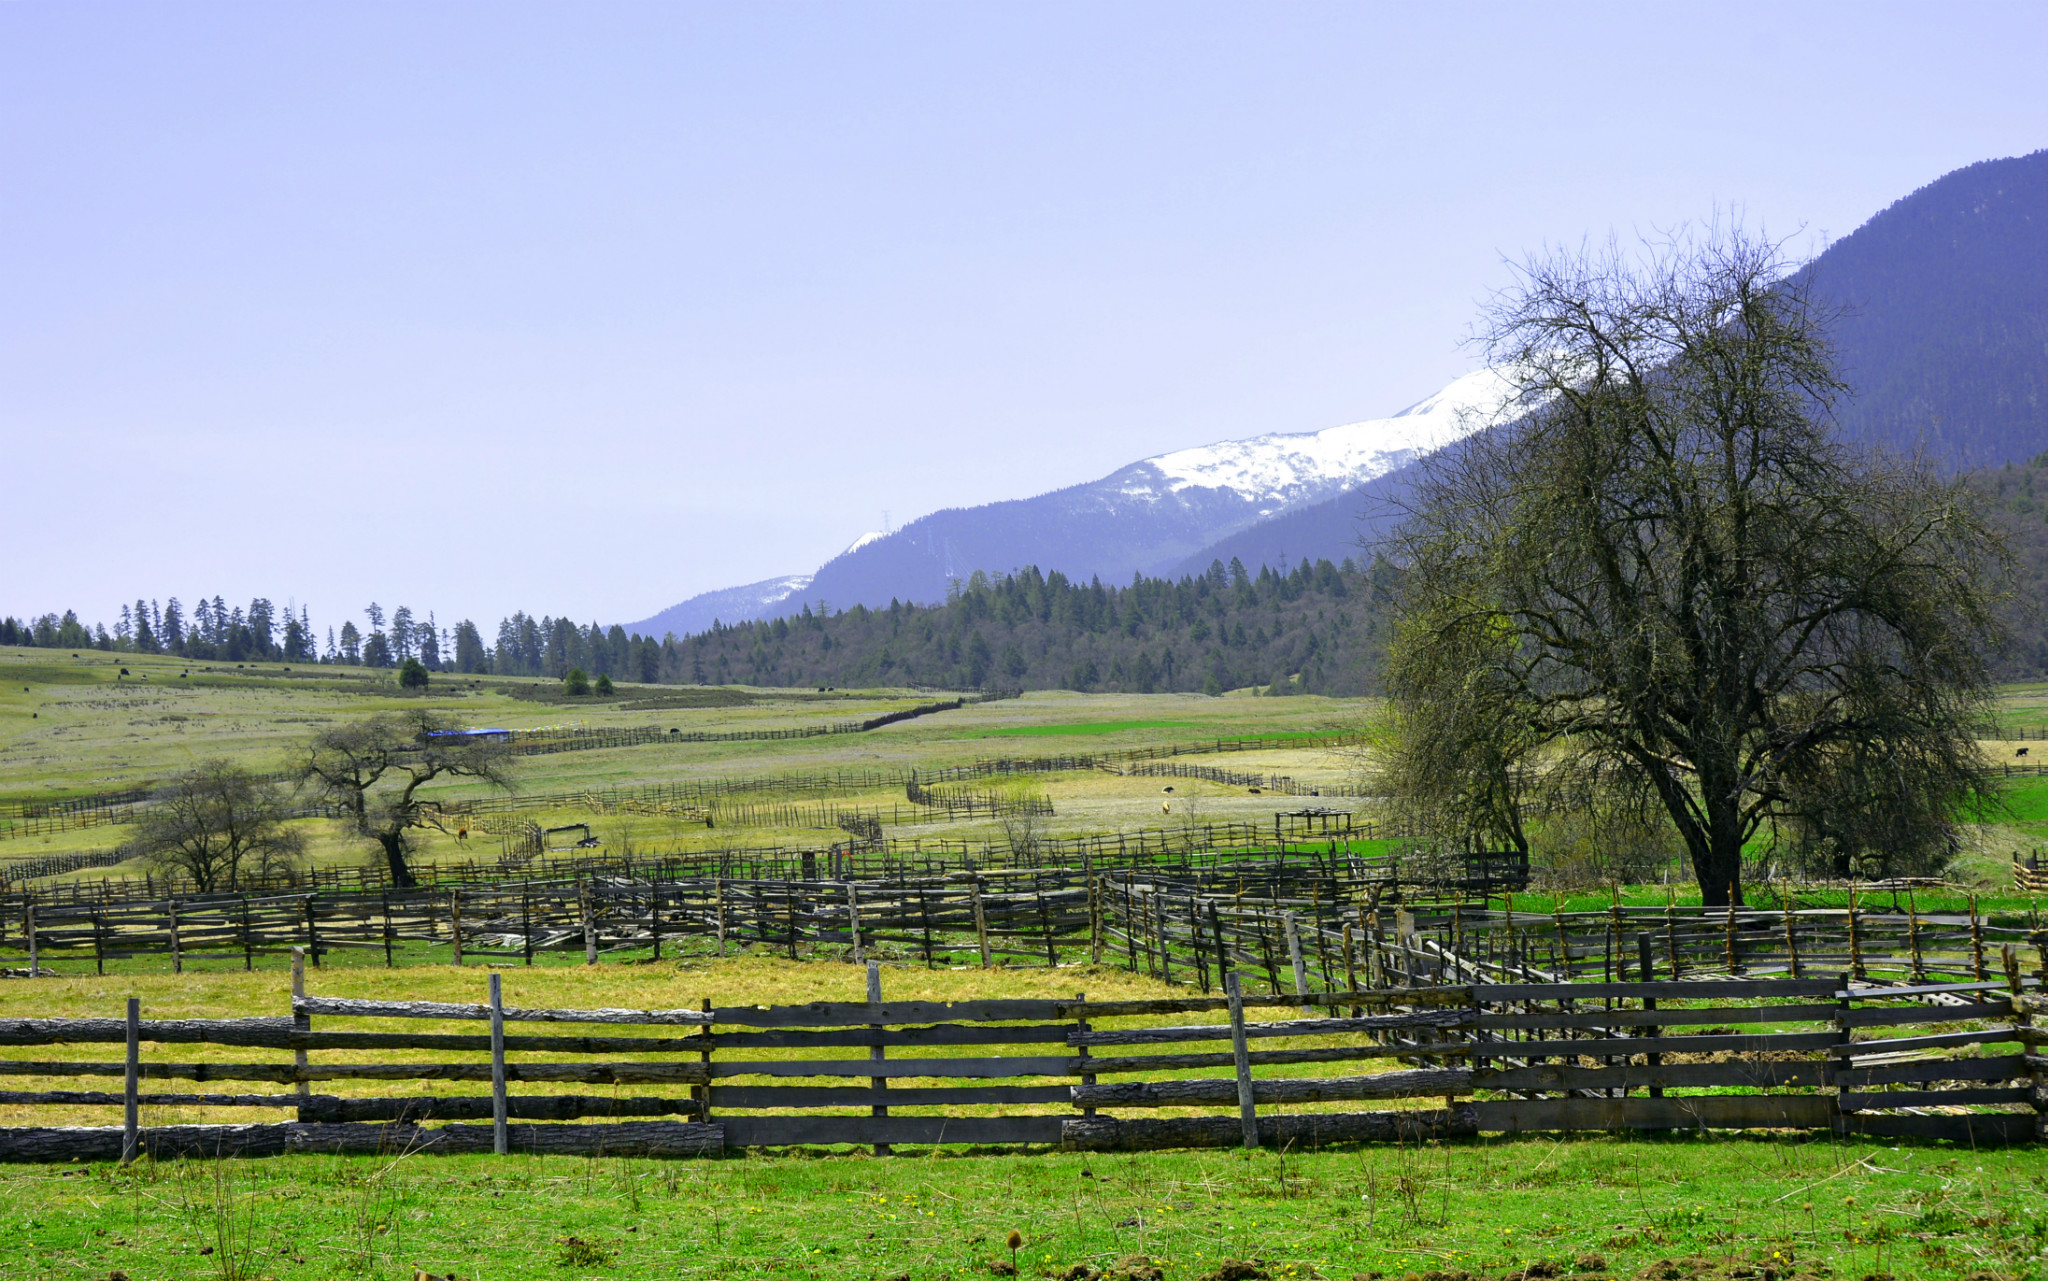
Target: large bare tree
x=1666, y=581
x=214, y=824
x=373, y=769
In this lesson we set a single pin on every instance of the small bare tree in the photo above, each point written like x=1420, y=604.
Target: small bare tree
x=374, y=770
x=1022, y=816
x=217, y=823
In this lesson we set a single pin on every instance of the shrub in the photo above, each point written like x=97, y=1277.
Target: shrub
x=576, y=682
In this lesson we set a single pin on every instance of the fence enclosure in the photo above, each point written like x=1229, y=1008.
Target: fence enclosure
x=1821, y=1053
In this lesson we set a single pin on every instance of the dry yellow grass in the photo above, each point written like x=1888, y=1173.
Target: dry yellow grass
x=668, y=985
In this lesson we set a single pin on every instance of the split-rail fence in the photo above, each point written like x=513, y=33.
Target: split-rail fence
x=1956, y=1061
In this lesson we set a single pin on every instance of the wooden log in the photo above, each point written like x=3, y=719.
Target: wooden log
x=1919, y=990
x=1616, y=1046
x=1294, y=1027
x=746, y=1097
x=617, y=1139
x=1659, y=1015
x=877, y=1053
x=1936, y=1041
x=108, y=1098
x=301, y=1023
x=1718, y=1111
x=1881, y=1100
x=1248, y=1122
x=271, y=1031
x=131, y=1119
x=1126, y=1063
x=341, y=1008
x=850, y=1014
x=1454, y=995
x=2004, y=1067
x=1755, y=1074
x=1017, y=1065
x=1130, y=1134
x=1701, y=990
x=27, y=1144
x=478, y=1107
x=1978, y=1129
x=937, y=1034
x=790, y=1131
x=1421, y=1083
x=1895, y=1016
x=287, y=1074
x=499, y=1109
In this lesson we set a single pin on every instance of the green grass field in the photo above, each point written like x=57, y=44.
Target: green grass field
x=1658, y=1209
x=1087, y=727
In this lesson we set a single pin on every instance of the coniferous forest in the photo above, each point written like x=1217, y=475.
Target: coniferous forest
x=1318, y=628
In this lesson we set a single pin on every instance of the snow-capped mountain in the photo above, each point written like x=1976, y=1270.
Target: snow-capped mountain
x=1147, y=517
x=1280, y=470
x=728, y=605
x=1151, y=516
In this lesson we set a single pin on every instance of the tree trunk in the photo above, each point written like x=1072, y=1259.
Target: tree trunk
x=1719, y=864
x=394, y=856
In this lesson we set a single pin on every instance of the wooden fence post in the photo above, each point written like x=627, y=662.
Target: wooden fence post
x=703, y=1092
x=980, y=919
x=1293, y=927
x=654, y=913
x=500, y=1140
x=312, y=932
x=1844, y=1033
x=455, y=922
x=1977, y=942
x=35, y=953
x=1646, y=971
x=589, y=921
x=131, y=1111
x=853, y=923
x=300, y=1022
x=177, y=951
x=718, y=890
x=1081, y=1025
x=1222, y=944
x=877, y=1052
x=1233, y=989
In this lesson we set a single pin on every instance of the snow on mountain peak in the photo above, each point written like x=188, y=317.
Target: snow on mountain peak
x=872, y=536
x=1280, y=467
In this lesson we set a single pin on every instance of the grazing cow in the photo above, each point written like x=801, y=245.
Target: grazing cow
x=2021, y=752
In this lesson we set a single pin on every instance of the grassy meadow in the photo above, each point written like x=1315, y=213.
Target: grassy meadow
x=1657, y=1208
x=1766, y=1207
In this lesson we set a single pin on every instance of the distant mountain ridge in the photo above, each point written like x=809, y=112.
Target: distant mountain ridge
x=1943, y=338
x=1943, y=334
x=729, y=605
x=1146, y=518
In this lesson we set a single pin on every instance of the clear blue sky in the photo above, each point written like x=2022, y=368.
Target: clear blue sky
x=476, y=307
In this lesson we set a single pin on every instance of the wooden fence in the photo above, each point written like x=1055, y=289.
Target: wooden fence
x=1288, y=921
x=1947, y=1061
x=862, y=858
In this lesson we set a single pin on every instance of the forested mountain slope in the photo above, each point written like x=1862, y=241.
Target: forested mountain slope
x=1319, y=629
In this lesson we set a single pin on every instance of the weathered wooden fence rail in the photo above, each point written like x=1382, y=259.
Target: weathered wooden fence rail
x=1959, y=1061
